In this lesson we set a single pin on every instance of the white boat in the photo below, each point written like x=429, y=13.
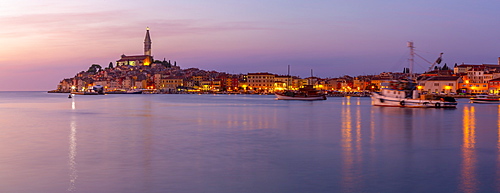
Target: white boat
x=408, y=98
x=135, y=91
x=404, y=93
x=307, y=93
x=485, y=99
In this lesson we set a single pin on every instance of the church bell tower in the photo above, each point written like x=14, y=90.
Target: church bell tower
x=147, y=43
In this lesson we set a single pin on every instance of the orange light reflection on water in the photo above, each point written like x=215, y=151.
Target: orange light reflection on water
x=468, y=181
x=351, y=144
x=498, y=149
x=348, y=178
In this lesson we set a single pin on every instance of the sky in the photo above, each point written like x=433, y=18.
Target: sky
x=43, y=42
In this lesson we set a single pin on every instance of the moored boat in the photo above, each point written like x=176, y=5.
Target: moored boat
x=409, y=98
x=307, y=93
x=121, y=91
x=404, y=93
x=117, y=91
x=135, y=91
x=485, y=99
x=85, y=93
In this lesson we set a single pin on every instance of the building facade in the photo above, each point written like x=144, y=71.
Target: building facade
x=260, y=81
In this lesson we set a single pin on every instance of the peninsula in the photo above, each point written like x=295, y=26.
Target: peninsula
x=143, y=72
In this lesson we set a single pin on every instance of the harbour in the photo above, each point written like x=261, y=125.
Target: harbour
x=243, y=143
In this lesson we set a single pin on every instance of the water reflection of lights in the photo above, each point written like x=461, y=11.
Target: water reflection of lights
x=73, y=173
x=498, y=148
x=73, y=105
x=372, y=125
x=498, y=125
x=358, y=129
x=348, y=178
x=346, y=100
x=468, y=181
x=351, y=146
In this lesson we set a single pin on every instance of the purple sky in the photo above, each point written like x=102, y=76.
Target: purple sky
x=44, y=42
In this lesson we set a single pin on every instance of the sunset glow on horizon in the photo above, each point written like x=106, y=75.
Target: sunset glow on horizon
x=45, y=42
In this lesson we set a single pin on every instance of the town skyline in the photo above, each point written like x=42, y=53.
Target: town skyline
x=332, y=38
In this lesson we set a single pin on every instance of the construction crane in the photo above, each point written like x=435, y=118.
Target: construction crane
x=438, y=61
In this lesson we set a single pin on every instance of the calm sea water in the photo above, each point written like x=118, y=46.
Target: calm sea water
x=242, y=143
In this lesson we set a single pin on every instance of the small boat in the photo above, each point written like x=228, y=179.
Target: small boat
x=485, y=99
x=135, y=91
x=308, y=93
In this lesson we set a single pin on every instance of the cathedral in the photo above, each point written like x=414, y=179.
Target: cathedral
x=139, y=60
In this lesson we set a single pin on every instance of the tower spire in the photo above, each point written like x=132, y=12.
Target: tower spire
x=147, y=43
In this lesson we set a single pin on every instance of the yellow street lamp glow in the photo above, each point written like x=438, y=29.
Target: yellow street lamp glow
x=447, y=87
x=420, y=87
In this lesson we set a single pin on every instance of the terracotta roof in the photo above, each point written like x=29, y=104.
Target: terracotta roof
x=442, y=78
x=133, y=58
x=260, y=73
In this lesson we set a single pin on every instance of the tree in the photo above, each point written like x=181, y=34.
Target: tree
x=166, y=63
x=445, y=67
x=110, y=65
x=94, y=68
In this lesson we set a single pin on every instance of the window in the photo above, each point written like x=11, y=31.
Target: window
x=436, y=84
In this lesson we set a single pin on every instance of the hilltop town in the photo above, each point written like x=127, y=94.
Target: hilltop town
x=142, y=72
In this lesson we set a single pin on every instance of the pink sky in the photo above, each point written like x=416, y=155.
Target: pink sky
x=43, y=43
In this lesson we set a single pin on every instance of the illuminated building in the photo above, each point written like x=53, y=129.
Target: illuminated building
x=283, y=82
x=439, y=84
x=494, y=86
x=171, y=83
x=139, y=60
x=260, y=81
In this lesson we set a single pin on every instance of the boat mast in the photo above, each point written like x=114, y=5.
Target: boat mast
x=288, y=79
x=412, y=60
